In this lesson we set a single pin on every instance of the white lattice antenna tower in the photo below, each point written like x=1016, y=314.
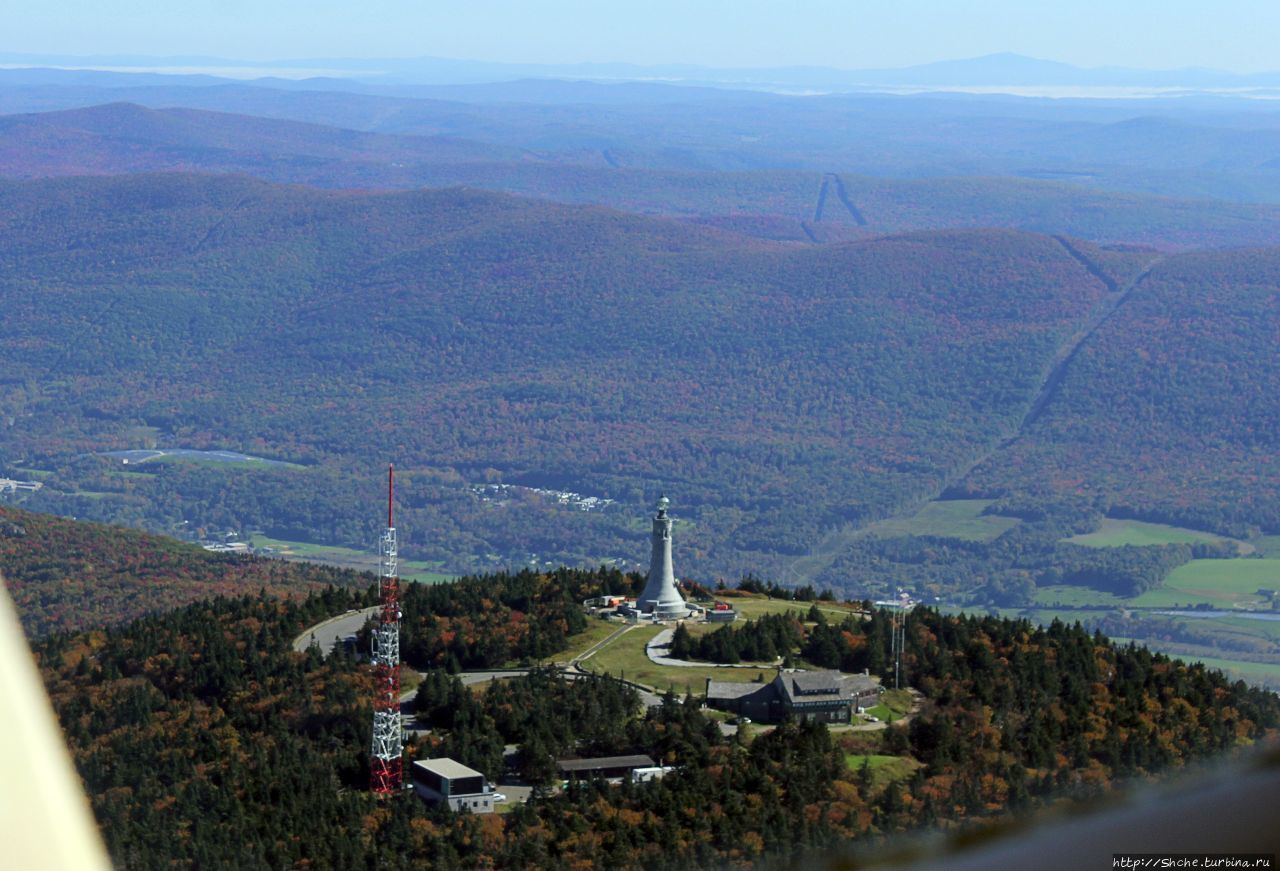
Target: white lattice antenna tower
x=386, y=756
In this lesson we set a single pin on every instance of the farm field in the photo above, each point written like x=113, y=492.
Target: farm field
x=1229, y=583
x=1117, y=533
x=956, y=518
x=348, y=558
x=1070, y=596
x=1267, y=545
x=1254, y=672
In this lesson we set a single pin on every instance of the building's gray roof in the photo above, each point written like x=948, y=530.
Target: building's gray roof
x=821, y=686
x=859, y=683
x=718, y=689
x=816, y=681
x=605, y=762
x=446, y=767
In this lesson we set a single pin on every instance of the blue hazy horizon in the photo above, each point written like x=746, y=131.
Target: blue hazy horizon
x=1234, y=35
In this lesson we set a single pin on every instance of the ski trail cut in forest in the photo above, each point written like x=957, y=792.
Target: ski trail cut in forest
x=830, y=182
x=824, y=552
x=1068, y=352
x=822, y=200
x=1088, y=264
x=804, y=225
x=843, y=196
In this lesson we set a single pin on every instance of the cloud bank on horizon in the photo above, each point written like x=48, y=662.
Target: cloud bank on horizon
x=1233, y=35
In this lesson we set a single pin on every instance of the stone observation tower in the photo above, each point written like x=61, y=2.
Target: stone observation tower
x=660, y=597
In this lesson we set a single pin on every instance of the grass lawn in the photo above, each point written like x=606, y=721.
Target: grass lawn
x=1117, y=533
x=349, y=558
x=898, y=701
x=894, y=705
x=751, y=606
x=884, y=769
x=883, y=713
x=31, y=473
x=625, y=657
x=597, y=630
x=1224, y=583
x=956, y=518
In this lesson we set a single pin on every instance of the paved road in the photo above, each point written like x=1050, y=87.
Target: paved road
x=331, y=630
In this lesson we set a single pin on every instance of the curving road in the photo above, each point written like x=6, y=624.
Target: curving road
x=329, y=631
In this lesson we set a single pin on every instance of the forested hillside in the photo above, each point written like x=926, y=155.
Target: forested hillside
x=65, y=575
x=774, y=391
x=772, y=199
x=1171, y=409
x=204, y=740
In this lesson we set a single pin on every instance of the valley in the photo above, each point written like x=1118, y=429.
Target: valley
x=965, y=389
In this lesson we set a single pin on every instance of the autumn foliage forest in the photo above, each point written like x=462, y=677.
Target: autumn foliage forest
x=802, y=319
x=781, y=391
x=203, y=739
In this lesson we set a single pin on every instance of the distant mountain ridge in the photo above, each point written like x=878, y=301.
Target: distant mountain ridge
x=783, y=204
x=1004, y=68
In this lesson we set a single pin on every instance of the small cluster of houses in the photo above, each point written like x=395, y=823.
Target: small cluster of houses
x=9, y=485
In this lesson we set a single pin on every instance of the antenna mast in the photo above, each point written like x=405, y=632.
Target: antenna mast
x=386, y=758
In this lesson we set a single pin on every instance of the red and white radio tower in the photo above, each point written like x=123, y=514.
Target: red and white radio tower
x=386, y=758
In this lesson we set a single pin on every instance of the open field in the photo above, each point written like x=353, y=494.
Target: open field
x=1242, y=625
x=956, y=518
x=1263, y=673
x=1223, y=583
x=1117, y=533
x=1065, y=595
x=1260, y=673
x=229, y=465
x=1267, y=545
x=348, y=558
x=625, y=657
x=31, y=473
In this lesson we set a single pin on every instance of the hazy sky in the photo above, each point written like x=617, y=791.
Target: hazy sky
x=1240, y=35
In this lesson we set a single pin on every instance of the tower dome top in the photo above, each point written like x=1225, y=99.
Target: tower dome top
x=663, y=502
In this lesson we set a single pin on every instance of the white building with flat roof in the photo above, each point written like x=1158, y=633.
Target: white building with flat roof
x=442, y=779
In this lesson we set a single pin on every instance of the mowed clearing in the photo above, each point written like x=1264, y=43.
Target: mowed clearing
x=348, y=558
x=1118, y=533
x=954, y=518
